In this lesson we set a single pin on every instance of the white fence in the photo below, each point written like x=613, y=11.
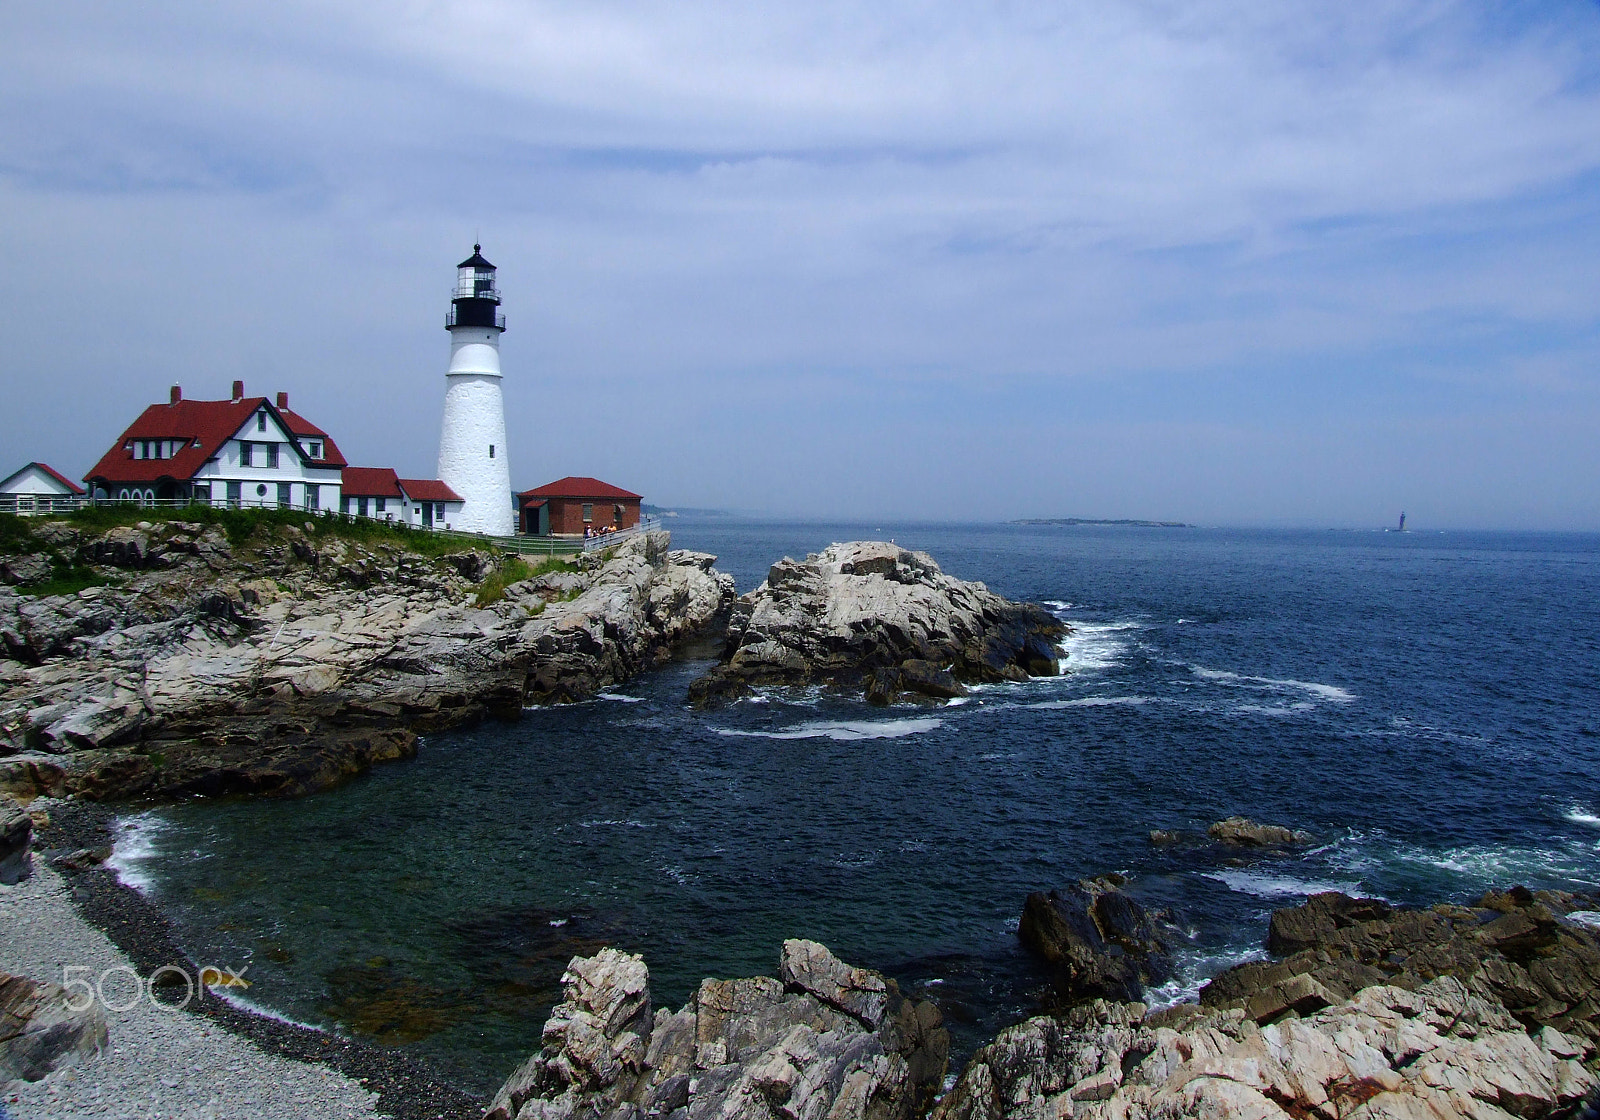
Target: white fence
x=28, y=505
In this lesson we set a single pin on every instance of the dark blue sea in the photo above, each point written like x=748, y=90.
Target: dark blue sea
x=1426, y=704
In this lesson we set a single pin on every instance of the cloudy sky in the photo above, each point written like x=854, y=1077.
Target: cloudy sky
x=1219, y=260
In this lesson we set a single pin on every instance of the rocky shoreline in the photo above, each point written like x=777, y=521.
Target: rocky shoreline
x=293, y=659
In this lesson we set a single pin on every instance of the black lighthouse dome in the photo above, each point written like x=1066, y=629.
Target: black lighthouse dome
x=476, y=300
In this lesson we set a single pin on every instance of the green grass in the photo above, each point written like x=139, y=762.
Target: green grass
x=515, y=570
x=241, y=525
x=15, y=536
x=64, y=581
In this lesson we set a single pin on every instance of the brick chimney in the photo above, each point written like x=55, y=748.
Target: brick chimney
x=283, y=402
x=177, y=394
x=238, y=390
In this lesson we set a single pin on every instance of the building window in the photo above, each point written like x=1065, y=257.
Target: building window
x=245, y=453
x=588, y=511
x=235, y=492
x=379, y=504
x=313, y=497
x=285, y=495
x=261, y=421
x=363, y=507
x=272, y=454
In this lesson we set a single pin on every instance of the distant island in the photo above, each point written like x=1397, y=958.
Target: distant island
x=1102, y=521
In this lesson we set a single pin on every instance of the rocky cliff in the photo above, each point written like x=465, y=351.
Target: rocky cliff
x=287, y=661
x=874, y=618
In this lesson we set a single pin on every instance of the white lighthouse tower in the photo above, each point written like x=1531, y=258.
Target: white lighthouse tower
x=472, y=441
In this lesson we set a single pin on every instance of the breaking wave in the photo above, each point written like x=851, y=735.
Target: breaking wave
x=845, y=731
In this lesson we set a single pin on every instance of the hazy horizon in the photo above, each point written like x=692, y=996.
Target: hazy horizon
x=1301, y=266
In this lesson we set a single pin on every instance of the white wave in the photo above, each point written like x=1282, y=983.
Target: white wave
x=1579, y=815
x=1264, y=885
x=1194, y=973
x=957, y=701
x=1058, y=604
x=1095, y=645
x=1327, y=692
x=249, y=1006
x=846, y=731
x=1485, y=865
x=1095, y=702
x=133, y=847
x=617, y=696
x=614, y=824
x=1588, y=918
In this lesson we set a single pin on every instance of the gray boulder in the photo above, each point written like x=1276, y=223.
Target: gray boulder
x=39, y=1030
x=881, y=620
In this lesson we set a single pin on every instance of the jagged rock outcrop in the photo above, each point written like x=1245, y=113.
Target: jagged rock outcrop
x=821, y=1040
x=1516, y=946
x=1440, y=1051
x=292, y=660
x=41, y=1032
x=876, y=618
x=1246, y=833
x=1096, y=940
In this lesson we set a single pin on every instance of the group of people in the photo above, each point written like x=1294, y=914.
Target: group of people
x=592, y=531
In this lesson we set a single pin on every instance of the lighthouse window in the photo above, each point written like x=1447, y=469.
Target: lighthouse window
x=491, y=451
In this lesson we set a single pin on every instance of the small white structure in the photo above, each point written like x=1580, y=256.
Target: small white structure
x=38, y=488
x=380, y=493
x=472, y=439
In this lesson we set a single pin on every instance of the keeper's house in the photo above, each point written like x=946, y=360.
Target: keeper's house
x=36, y=488
x=570, y=506
x=246, y=451
x=379, y=492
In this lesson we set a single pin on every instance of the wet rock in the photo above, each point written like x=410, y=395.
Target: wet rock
x=16, y=842
x=39, y=1030
x=1097, y=941
x=874, y=618
x=1247, y=833
x=758, y=1047
x=1517, y=947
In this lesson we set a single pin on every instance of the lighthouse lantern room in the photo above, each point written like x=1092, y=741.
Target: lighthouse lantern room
x=472, y=439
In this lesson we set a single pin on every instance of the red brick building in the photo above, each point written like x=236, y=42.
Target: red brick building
x=567, y=507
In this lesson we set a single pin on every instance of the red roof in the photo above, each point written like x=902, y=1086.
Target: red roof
x=370, y=482
x=428, y=490
x=71, y=486
x=575, y=487
x=208, y=423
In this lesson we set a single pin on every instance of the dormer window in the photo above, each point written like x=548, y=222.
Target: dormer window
x=313, y=449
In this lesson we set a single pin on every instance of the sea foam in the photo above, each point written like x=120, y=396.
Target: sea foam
x=845, y=731
x=1328, y=692
x=133, y=846
x=1264, y=885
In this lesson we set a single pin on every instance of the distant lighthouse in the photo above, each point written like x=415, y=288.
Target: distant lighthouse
x=472, y=440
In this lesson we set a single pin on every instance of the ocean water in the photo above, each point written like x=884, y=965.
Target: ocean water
x=1427, y=705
